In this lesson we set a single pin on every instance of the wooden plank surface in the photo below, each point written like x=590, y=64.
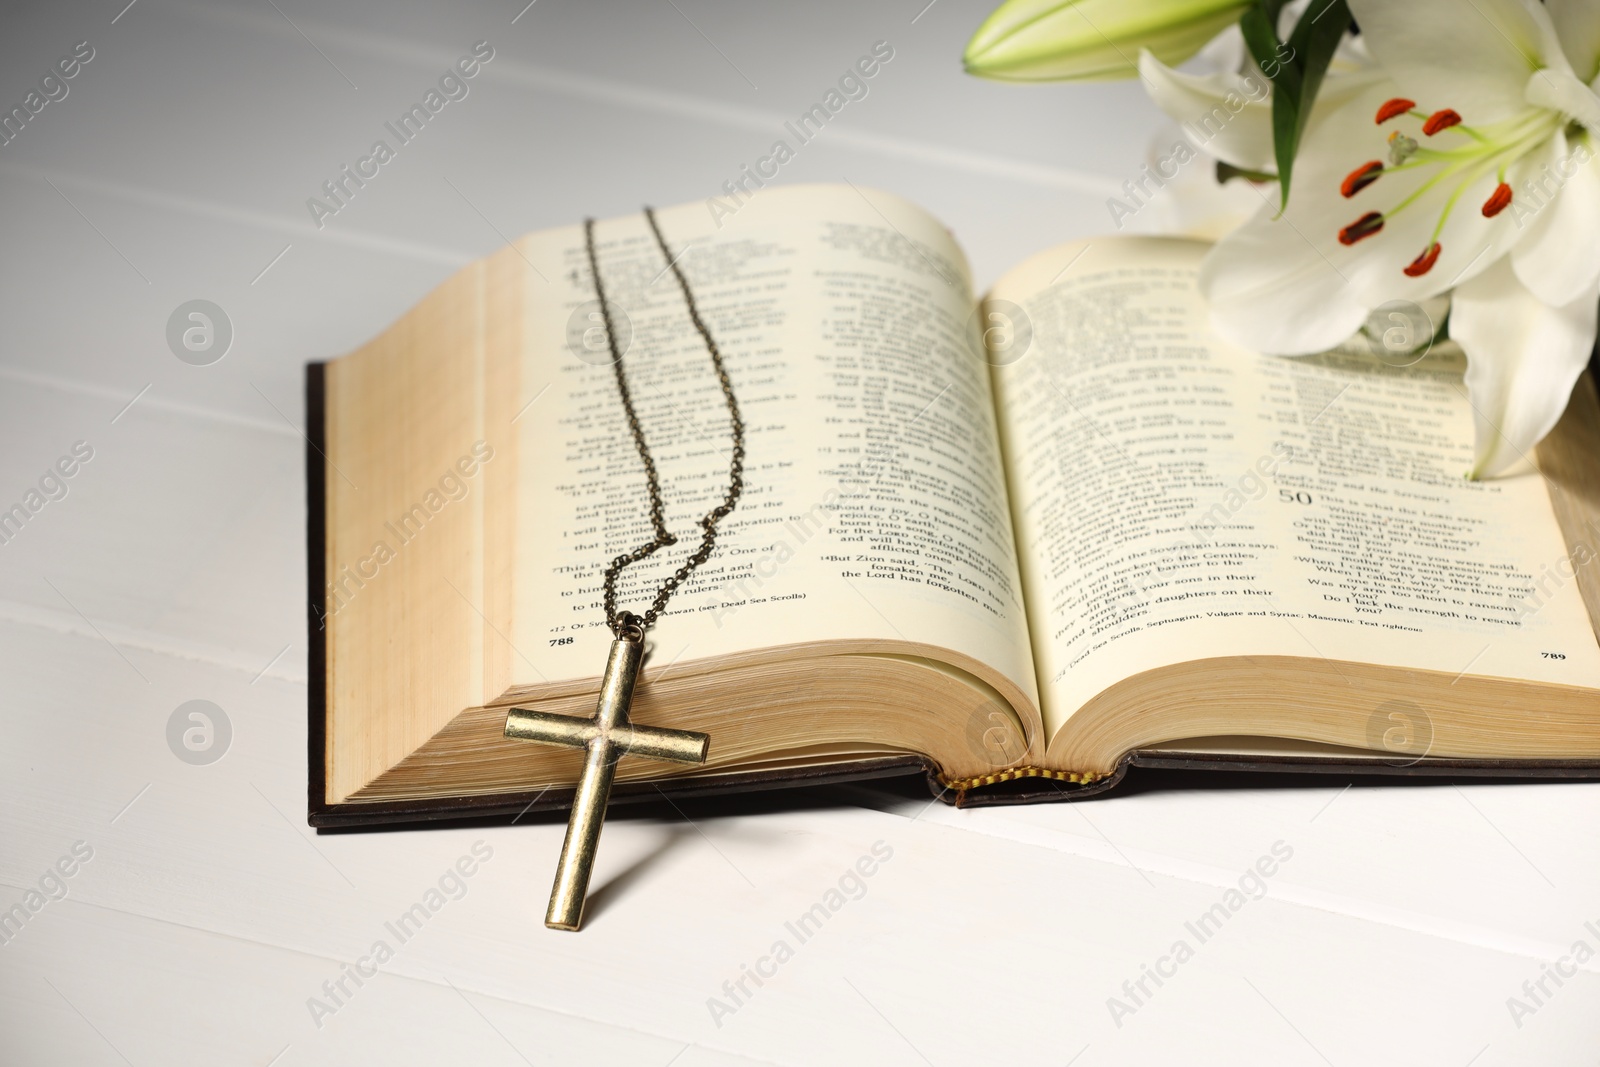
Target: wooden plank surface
x=209, y=916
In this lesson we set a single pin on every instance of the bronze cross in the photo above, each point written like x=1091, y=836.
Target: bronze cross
x=607, y=738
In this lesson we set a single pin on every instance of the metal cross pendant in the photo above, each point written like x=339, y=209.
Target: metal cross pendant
x=607, y=738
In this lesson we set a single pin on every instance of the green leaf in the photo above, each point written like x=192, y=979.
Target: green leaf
x=1296, y=68
x=1258, y=35
x=1316, y=37
x=1227, y=172
x=1260, y=28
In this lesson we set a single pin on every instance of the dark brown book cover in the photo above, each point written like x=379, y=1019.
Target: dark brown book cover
x=1005, y=790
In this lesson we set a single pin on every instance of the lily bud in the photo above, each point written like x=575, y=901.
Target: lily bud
x=1092, y=40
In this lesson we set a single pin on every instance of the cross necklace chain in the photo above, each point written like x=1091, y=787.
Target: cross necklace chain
x=609, y=735
x=627, y=622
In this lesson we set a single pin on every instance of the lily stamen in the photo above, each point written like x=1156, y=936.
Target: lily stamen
x=1424, y=263
x=1442, y=119
x=1390, y=108
x=1360, y=178
x=1362, y=228
x=1498, y=201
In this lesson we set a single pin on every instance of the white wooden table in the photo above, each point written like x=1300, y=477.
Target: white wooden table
x=208, y=915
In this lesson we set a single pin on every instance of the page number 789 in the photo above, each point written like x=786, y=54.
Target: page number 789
x=1553, y=655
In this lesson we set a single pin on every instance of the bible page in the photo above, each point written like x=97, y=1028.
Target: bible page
x=874, y=505
x=1179, y=498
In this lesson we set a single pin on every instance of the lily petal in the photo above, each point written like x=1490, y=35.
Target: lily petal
x=1471, y=55
x=1352, y=54
x=1577, y=24
x=1229, y=116
x=1559, y=258
x=1271, y=290
x=1560, y=91
x=1225, y=51
x=1523, y=357
x=1194, y=204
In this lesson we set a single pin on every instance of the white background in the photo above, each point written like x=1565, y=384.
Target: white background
x=178, y=168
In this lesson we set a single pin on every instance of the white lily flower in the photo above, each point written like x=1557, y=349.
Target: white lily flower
x=1478, y=176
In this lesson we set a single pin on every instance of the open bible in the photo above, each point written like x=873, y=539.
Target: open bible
x=1018, y=544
